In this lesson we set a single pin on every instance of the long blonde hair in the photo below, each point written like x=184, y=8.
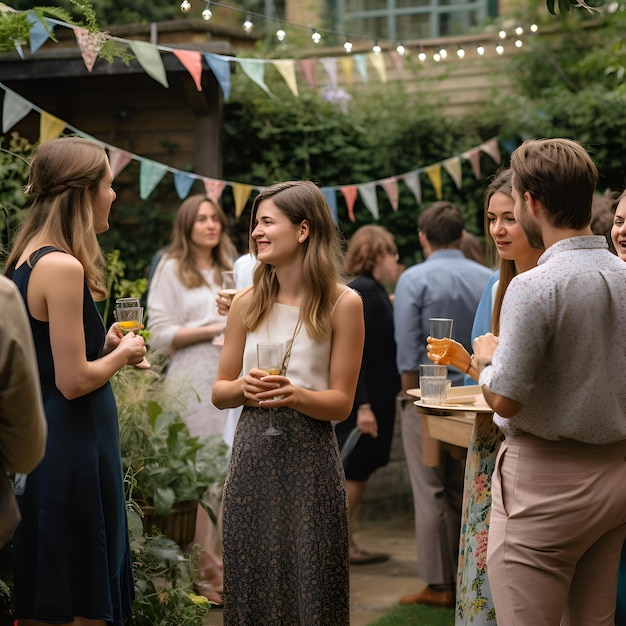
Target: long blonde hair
x=64, y=177
x=300, y=201
x=180, y=249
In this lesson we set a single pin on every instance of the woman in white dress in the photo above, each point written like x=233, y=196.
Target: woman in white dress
x=183, y=323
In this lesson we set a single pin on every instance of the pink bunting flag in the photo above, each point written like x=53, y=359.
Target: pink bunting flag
x=397, y=61
x=349, y=193
x=473, y=156
x=390, y=185
x=89, y=44
x=118, y=160
x=491, y=148
x=192, y=61
x=213, y=189
x=308, y=68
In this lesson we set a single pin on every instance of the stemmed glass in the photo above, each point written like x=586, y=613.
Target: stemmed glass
x=228, y=290
x=270, y=359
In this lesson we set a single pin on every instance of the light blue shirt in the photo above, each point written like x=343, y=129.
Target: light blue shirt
x=446, y=284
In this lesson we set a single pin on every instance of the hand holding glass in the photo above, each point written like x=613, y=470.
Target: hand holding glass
x=229, y=284
x=440, y=328
x=270, y=359
x=128, y=314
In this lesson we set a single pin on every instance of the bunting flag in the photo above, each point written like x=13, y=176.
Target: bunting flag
x=349, y=193
x=255, y=71
x=287, y=69
x=149, y=57
x=347, y=63
x=89, y=45
x=453, y=167
x=378, y=62
x=192, y=61
x=361, y=66
x=434, y=173
x=118, y=160
x=491, y=148
x=308, y=69
x=368, y=195
x=50, y=127
x=412, y=181
x=214, y=189
x=397, y=61
x=390, y=185
x=241, y=194
x=473, y=156
x=331, y=199
x=330, y=67
x=19, y=49
x=14, y=108
x=183, y=183
x=39, y=32
x=221, y=70
x=150, y=175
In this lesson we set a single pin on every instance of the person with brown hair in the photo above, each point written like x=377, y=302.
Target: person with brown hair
x=71, y=556
x=183, y=323
x=372, y=258
x=285, y=524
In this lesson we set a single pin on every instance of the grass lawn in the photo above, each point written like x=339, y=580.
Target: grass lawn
x=416, y=614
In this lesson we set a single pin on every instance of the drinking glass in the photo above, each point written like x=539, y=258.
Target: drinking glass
x=129, y=314
x=229, y=284
x=440, y=328
x=270, y=359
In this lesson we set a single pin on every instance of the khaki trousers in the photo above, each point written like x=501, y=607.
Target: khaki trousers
x=558, y=522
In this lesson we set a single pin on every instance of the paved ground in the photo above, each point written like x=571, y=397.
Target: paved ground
x=374, y=589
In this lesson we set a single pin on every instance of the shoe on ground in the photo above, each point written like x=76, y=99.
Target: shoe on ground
x=363, y=557
x=431, y=597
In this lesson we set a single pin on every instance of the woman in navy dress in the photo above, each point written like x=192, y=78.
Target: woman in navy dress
x=71, y=556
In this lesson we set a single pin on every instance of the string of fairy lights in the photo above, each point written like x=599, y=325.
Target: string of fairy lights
x=319, y=34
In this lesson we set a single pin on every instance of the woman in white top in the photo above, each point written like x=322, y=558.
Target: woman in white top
x=285, y=523
x=183, y=322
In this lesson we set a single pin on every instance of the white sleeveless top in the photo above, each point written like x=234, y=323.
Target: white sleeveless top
x=309, y=363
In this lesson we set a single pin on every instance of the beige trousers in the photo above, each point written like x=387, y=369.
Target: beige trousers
x=558, y=522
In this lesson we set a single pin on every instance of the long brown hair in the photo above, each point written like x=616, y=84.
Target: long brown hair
x=64, y=177
x=222, y=255
x=299, y=201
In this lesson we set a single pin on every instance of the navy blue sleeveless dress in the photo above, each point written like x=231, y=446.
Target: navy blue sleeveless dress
x=71, y=553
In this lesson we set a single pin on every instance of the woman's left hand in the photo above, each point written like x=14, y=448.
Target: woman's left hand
x=280, y=392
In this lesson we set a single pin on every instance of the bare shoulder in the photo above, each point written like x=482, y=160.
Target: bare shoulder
x=59, y=268
x=347, y=299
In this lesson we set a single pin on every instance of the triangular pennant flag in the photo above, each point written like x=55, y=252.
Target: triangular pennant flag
x=368, y=195
x=491, y=148
x=39, y=32
x=412, y=181
x=349, y=193
x=378, y=62
x=434, y=173
x=347, y=64
x=150, y=175
x=14, y=108
x=241, y=194
x=192, y=61
x=89, y=44
x=182, y=184
x=255, y=71
x=390, y=185
x=361, y=66
x=287, y=69
x=214, y=189
x=330, y=66
x=50, y=127
x=331, y=199
x=308, y=69
x=118, y=159
x=453, y=167
x=397, y=61
x=149, y=57
x=19, y=49
x=473, y=156
x=221, y=70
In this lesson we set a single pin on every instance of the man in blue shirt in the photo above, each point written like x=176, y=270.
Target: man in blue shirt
x=448, y=285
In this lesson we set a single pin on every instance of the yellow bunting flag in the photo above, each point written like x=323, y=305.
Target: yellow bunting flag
x=434, y=173
x=378, y=62
x=287, y=69
x=241, y=193
x=50, y=127
x=453, y=167
x=347, y=64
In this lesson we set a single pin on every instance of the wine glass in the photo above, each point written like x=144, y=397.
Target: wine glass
x=440, y=328
x=128, y=314
x=228, y=290
x=270, y=359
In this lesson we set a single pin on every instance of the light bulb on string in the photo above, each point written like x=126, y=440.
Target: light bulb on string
x=502, y=34
x=519, y=43
x=519, y=30
x=443, y=53
x=534, y=28
x=185, y=6
x=376, y=49
x=281, y=34
x=436, y=57
x=400, y=49
x=500, y=49
x=347, y=47
x=460, y=53
x=316, y=37
x=248, y=25
x=480, y=50
x=421, y=56
x=207, y=14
